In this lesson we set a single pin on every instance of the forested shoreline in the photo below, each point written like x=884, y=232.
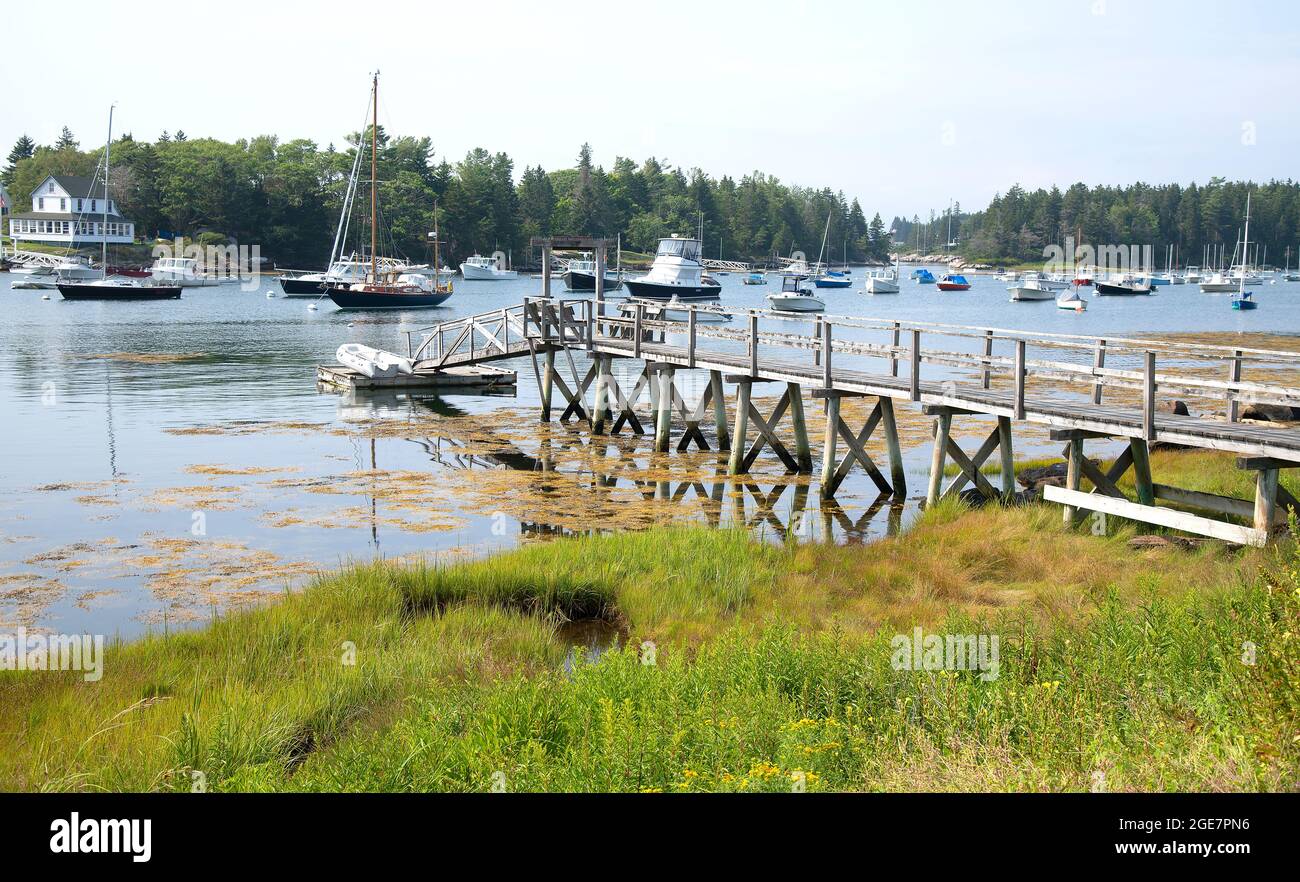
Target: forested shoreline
x=287, y=196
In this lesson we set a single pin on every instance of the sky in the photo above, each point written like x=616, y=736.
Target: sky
x=904, y=105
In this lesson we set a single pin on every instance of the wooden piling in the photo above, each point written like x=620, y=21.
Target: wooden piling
x=827, y=486
x=1265, y=499
x=897, y=475
x=664, y=414
x=943, y=430
x=1073, y=474
x=1146, y=492
x=736, y=462
x=1008, y=460
x=599, y=407
x=802, y=450
x=548, y=383
x=719, y=411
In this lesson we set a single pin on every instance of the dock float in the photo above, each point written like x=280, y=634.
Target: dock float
x=478, y=377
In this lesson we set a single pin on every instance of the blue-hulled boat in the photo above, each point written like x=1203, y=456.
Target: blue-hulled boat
x=923, y=276
x=832, y=279
x=1243, y=302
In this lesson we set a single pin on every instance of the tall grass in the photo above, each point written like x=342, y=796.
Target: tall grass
x=771, y=667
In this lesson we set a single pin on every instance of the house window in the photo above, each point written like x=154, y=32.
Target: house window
x=40, y=204
x=94, y=205
x=51, y=189
x=63, y=205
x=78, y=205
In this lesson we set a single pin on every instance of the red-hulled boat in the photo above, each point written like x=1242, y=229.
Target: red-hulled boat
x=953, y=282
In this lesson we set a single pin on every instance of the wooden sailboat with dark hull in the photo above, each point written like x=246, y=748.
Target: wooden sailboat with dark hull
x=384, y=288
x=79, y=287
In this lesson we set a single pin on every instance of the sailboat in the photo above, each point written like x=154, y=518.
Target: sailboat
x=1243, y=299
x=1289, y=275
x=387, y=288
x=114, y=287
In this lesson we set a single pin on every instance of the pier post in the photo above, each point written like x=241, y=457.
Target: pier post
x=898, y=477
x=827, y=486
x=802, y=450
x=1008, y=460
x=1265, y=499
x=664, y=408
x=546, y=271
x=1146, y=491
x=1073, y=473
x=719, y=410
x=942, y=432
x=744, y=387
x=548, y=383
x=599, y=408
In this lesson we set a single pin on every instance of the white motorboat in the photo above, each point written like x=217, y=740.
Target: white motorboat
x=1193, y=275
x=36, y=270
x=373, y=363
x=794, y=297
x=1032, y=289
x=76, y=269
x=1219, y=283
x=884, y=283
x=344, y=271
x=182, y=271
x=677, y=273
x=706, y=311
x=1056, y=282
x=1071, y=300
x=47, y=282
x=485, y=269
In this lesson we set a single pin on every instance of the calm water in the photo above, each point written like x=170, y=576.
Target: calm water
x=151, y=473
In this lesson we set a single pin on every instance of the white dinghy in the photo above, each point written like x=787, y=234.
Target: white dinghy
x=373, y=363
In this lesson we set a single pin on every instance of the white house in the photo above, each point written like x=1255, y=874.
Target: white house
x=64, y=209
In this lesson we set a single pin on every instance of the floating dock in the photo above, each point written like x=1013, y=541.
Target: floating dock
x=478, y=377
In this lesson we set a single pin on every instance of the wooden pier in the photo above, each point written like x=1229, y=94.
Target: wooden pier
x=1082, y=389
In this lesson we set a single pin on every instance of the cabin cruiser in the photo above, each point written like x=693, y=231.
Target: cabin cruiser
x=1127, y=285
x=794, y=297
x=76, y=269
x=755, y=279
x=1219, y=283
x=953, y=282
x=677, y=271
x=182, y=271
x=313, y=284
x=485, y=269
x=580, y=275
x=1032, y=288
x=1056, y=282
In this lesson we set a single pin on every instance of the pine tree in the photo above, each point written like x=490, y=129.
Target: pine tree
x=24, y=149
x=66, y=140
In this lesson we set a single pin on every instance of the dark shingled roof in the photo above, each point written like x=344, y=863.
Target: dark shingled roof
x=77, y=187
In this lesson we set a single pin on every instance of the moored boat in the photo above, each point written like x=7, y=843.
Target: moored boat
x=1031, y=289
x=113, y=288
x=485, y=269
x=677, y=272
x=1071, y=300
x=794, y=297
x=580, y=275
x=923, y=276
x=1126, y=286
x=953, y=282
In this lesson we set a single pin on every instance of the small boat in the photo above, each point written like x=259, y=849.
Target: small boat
x=755, y=279
x=1056, y=282
x=313, y=284
x=1126, y=286
x=923, y=276
x=677, y=272
x=1243, y=299
x=76, y=269
x=1218, y=284
x=795, y=298
x=1193, y=275
x=38, y=270
x=832, y=279
x=580, y=275
x=1083, y=276
x=1071, y=300
x=131, y=272
x=705, y=312
x=36, y=283
x=182, y=271
x=1243, y=302
x=485, y=269
x=373, y=363
x=883, y=283
x=953, y=282
x=1032, y=289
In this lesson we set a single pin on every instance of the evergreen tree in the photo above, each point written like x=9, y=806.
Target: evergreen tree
x=25, y=148
x=66, y=141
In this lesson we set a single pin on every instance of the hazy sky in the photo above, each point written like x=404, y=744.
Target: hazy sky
x=903, y=105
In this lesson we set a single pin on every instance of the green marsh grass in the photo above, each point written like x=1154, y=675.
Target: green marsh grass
x=771, y=669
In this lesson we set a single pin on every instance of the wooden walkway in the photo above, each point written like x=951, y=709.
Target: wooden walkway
x=1065, y=387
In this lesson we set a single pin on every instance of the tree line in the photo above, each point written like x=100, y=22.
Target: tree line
x=287, y=197
x=1195, y=219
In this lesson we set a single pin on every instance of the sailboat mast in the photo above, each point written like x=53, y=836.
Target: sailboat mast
x=103, y=231
x=1241, y=288
x=374, y=206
